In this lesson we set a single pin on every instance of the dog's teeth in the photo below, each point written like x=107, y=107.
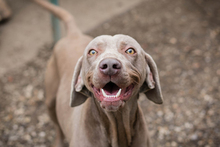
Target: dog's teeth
x=111, y=96
x=118, y=94
x=104, y=94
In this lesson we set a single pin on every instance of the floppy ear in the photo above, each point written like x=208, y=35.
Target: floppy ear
x=151, y=87
x=79, y=93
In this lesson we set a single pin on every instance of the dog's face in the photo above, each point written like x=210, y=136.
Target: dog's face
x=114, y=69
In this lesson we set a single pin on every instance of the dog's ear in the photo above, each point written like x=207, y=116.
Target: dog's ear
x=79, y=93
x=151, y=87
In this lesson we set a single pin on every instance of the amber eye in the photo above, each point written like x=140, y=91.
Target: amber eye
x=92, y=52
x=130, y=51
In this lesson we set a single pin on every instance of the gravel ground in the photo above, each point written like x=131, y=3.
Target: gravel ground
x=183, y=38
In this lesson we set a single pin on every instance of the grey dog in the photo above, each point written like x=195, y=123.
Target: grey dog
x=101, y=80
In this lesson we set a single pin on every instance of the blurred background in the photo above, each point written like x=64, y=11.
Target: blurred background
x=182, y=36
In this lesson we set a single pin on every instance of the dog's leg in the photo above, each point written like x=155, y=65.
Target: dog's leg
x=51, y=86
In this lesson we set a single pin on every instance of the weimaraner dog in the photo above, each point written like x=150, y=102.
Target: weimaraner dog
x=101, y=80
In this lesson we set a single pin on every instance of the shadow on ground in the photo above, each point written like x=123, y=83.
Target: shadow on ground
x=183, y=38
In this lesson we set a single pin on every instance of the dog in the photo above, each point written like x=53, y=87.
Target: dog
x=101, y=80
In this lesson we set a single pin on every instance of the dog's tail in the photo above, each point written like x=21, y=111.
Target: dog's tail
x=66, y=17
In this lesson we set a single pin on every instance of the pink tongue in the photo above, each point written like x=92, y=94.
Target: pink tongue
x=111, y=92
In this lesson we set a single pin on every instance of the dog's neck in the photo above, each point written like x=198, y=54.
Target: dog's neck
x=119, y=126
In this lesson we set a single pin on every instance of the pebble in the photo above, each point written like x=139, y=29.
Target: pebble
x=159, y=113
x=194, y=137
x=19, y=111
x=168, y=116
x=177, y=129
x=43, y=119
x=188, y=125
x=42, y=134
x=34, y=134
x=27, y=119
x=15, y=127
x=40, y=95
x=208, y=98
x=173, y=144
x=28, y=91
x=13, y=138
x=163, y=131
x=27, y=138
x=173, y=40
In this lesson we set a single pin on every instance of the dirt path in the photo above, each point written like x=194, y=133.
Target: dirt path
x=183, y=38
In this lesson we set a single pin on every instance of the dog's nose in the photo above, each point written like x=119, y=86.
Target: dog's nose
x=110, y=66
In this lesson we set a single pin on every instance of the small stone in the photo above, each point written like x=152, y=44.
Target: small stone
x=162, y=132
x=177, y=129
x=173, y=144
x=160, y=113
x=27, y=137
x=13, y=138
x=167, y=144
x=194, y=137
x=40, y=95
x=15, y=127
x=208, y=98
x=30, y=129
x=211, y=112
x=19, y=111
x=10, y=79
x=188, y=125
x=208, y=59
x=196, y=65
x=175, y=106
x=197, y=52
x=27, y=119
x=213, y=34
x=34, y=134
x=28, y=91
x=42, y=134
x=44, y=118
x=169, y=116
x=173, y=40
x=180, y=139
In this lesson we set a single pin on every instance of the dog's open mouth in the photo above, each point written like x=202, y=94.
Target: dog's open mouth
x=112, y=96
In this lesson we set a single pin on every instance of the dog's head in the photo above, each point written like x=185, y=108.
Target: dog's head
x=113, y=70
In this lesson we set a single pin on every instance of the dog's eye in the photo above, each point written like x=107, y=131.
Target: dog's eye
x=130, y=51
x=92, y=52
